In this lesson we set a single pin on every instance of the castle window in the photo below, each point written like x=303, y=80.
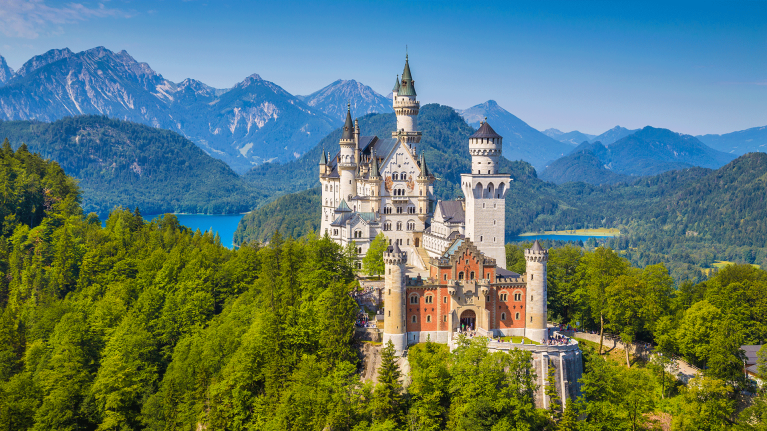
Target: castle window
x=414, y=319
x=428, y=319
x=404, y=176
x=410, y=225
x=480, y=238
x=531, y=319
x=387, y=225
x=493, y=222
x=471, y=275
x=389, y=313
x=517, y=316
x=503, y=316
x=445, y=277
x=531, y=297
x=429, y=299
x=359, y=250
x=444, y=299
x=460, y=275
x=517, y=296
x=414, y=299
x=504, y=297
x=335, y=231
x=399, y=225
x=395, y=176
x=532, y=276
x=408, y=241
x=483, y=205
x=493, y=239
x=444, y=318
x=399, y=210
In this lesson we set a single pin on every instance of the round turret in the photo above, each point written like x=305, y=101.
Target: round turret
x=395, y=327
x=485, y=148
x=536, y=258
x=347, y=163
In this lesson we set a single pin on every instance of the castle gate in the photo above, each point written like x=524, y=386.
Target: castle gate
x=468, y=320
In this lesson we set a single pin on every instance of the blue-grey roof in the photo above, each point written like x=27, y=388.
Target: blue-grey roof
x=505, y=273
x=452, y=211
x=485, y=131
x=382, y=147
x=343, y=207
x=452, y=249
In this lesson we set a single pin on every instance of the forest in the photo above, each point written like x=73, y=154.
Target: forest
x=119, y=163
x=147, y=325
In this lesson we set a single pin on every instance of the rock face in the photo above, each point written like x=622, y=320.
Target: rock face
x=252, y=122
x=520, y=141
x=6, y=73
x=739, y=143
x=332, y=100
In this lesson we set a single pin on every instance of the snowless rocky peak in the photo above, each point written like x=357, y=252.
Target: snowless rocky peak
x=39, y=61
x=332, y=99
x=6, y=73
x=196, y=87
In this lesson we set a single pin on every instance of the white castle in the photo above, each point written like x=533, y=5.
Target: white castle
x=383, y=184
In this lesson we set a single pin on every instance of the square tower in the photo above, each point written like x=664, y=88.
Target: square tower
x=485, y=192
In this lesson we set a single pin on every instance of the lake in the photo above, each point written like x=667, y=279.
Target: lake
x=225, y=225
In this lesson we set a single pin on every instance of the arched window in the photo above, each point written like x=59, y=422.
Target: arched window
x=460, y=275
x=413, y=319
x=503, y=316
x=414, y=299
x=395, y=176
x=471, y=275
x=480, y=238
x=445, y=277
x=503, y=296
x=428, y=319
x=490, y=189
x=516, y=316
x=387, y=225
x=478, y=190
x=428, y=299
x=501, y=190
x=399, y=225
x=404, y=177
x=410, y=225
x=517, y=296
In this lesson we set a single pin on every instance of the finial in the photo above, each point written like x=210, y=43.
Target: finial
x=349, y=105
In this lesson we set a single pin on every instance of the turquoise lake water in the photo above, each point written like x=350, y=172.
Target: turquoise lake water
x=225, y=225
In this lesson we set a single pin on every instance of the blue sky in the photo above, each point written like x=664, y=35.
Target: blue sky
x=693, y=67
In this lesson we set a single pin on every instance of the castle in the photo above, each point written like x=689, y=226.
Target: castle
x=457, y=248
x=384, y=185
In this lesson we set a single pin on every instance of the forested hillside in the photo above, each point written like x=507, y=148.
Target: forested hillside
x=294, y=215
x=119, y=163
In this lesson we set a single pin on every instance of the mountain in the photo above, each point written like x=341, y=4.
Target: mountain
x=119, y=163
x=444, y=143
x=520, y=141
x=6, y=73
x=739, y=143
x=332, y=100
x=573, y=138
x=582, y=165
x=649, y=151
x=609, y=137
x=254, y=121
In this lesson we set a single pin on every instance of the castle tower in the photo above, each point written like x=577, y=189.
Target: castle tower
x=535, y=326
x=406, y=107
x=347, y=164
x=485, y=192
x=395, y=327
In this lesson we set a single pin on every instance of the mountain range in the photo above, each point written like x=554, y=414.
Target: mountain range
x=254, y=121
x=738, y=143
x=573, y=138
x=333, y=99
x=649, y=151
x=520, y=141
x=120, y=163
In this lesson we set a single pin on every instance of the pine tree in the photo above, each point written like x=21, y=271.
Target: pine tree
x=551, y=392
x=387, y=397
x=569, y=420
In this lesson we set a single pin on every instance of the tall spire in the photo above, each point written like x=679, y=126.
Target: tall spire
x=424, y=168
x=348, y=125
x=374, y=168
x=396, y=85
x=408, y=85
x=323, y=158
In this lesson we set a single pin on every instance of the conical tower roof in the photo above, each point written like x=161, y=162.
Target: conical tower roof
x=536, y=246
x=424, y=168
x=485, y=131
x=395, y=248
x=374, y=167
x=323, y=158
x=396, y=85
x=408, y=85
x=348, y=125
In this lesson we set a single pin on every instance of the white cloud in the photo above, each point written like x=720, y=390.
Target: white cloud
x=29, y=18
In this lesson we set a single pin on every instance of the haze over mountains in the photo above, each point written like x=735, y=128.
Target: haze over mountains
x=254, y=121
x=520, y=141
x=649, y=151
x=573, y=138
x=739, y=143
x=333, y=99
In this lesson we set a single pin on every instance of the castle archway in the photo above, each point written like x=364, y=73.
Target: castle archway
x=468, y=320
